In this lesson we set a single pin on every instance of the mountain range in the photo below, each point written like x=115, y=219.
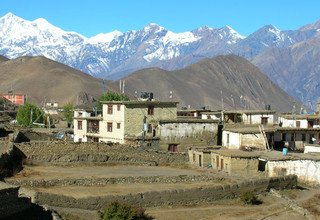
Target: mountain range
x=221, y=82
x=115, y=55
x=44, y=80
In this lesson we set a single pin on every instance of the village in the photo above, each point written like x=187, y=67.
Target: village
x=149, y=152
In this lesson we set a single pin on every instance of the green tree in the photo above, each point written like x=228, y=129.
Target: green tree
x=68, y=112
x=29, y=113
x=111, y=96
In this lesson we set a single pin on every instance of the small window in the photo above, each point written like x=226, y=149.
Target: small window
x=284, y=137
x=298, y=124
x=118, y=125
x=80, y=114
x=264, y=120
x=110, y=109
x=303, y=137
x=149, y=128
x=79, y=125
x=150, y=110
x=292, y=137
x=109, y=126
x=118, y=107
x=228, y=139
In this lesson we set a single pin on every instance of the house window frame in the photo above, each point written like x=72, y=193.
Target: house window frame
x=110, y=109
x=118, y=107
x=264, y=120
x=80, y=125
x=118, y=125
x=151, y=110
x=109, y=126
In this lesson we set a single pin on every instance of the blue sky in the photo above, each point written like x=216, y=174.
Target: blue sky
x=101, y=16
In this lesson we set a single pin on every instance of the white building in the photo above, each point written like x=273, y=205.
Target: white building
x=265, y=117
x=122, y=121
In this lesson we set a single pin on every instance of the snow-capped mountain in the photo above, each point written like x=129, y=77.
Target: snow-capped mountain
x=116, y=54
x=109, y=54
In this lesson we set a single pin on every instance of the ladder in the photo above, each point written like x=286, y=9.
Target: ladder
x=261, y=128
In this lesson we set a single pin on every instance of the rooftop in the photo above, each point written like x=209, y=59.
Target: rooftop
x=244, y=111
x=142, y=103
x=300, y=116
x=248, y=129
x=264, y=155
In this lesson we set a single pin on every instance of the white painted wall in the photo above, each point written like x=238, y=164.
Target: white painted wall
x=312, y=149
x=117, y=135
x=179, y=130
x=234, y=140
x=306, y=170
x=292, y=123
x=256, y=118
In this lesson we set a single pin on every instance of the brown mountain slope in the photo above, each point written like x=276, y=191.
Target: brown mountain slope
x=43, y=79
x=296, y=69
x=241, y=83
x=3, y=58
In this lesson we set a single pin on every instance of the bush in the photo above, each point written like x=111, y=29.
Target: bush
x=123, y=211
x=249, y=198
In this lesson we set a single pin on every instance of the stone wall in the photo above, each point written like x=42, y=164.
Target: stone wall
x=115, y=180
x=200, y=195
x=11, y=159
x=66, y=153
x=10, y=203
x=307, y=171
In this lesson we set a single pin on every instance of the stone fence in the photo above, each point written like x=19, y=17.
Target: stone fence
x=115, y=180
x=191, y=196
x=66, y=153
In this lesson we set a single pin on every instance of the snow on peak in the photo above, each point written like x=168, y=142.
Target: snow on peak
x=233, y=32
x=104, y=38
x=11, y=18
x=153, y=27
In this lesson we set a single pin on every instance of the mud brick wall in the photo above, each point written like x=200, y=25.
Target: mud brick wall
x=202, y=195
x=68, y=153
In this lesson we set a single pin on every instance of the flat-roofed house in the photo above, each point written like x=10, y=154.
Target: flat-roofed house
x=123, y=121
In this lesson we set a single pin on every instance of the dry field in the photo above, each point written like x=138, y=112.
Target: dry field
x=272, y=207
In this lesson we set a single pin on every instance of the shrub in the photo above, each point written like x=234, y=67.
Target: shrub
x=122, y=211
x=249, y=198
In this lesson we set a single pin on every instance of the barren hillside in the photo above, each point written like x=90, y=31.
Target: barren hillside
x=234, y=79
x=43, y=79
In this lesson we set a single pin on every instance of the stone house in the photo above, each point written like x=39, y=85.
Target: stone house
x=304, y=166
x=246, y=136
x=295, y=138
x=229, y=161
x=200, y=157
x=270, y=164
x=299, y=120
x=123, y=121
x=264, y=117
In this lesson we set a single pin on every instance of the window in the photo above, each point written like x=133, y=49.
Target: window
x=311, y=139
x=118, y=107
x=284, y=137
x=264, y=120
x=303, y=137
x=150, y=110
x=118, y=125
x=228, y=139
x=110, y=108
x=109, y=126
x=292, y=137
x=149, y=128
x=79, y=125
x=298, y=124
